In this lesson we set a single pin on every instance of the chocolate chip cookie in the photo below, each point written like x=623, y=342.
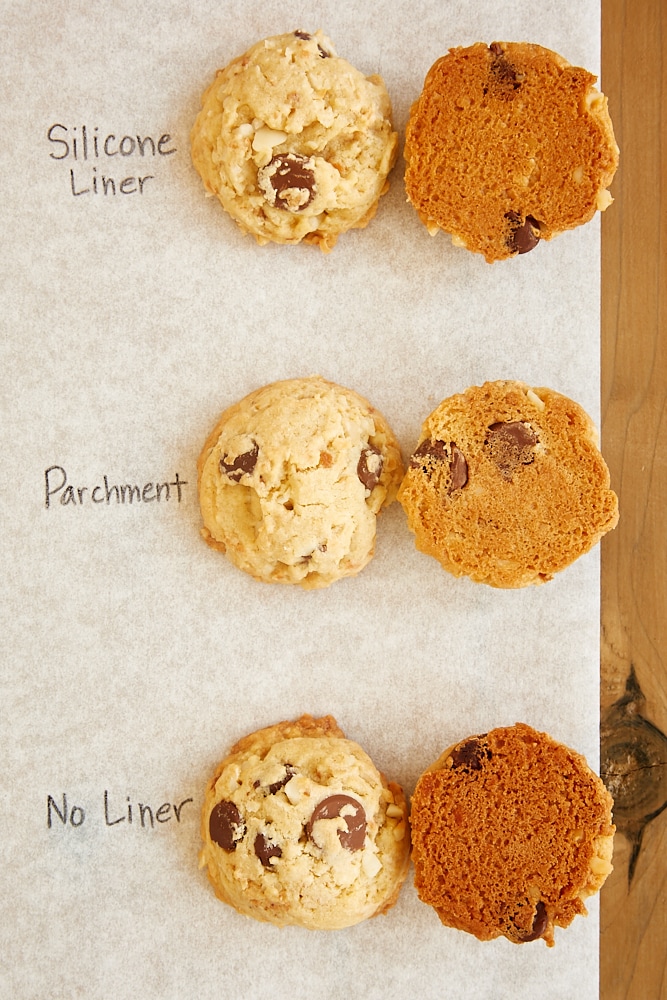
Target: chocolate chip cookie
x=292, y=478
x=295, y=142
x=511, y=832
x=507, y=485
x=299, y=827
x=508, y=145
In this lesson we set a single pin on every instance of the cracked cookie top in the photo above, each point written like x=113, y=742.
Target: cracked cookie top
x=299, y=827
x=292, y=478
x=294, y=141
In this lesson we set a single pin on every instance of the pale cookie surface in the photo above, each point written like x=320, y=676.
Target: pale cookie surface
x=292, y=478
x=512, y=831
x=507, y=145
x=295, y=142
x=507, y=485
x=299, y=827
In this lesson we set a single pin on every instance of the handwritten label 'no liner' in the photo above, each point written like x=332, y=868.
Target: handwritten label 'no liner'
x=57, y=490
x=60, y=812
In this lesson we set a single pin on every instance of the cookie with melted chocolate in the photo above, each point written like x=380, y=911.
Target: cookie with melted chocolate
x=292, y=479
x=299, y=827
x=512, y=832
x=295, y=143
x=508, y=145
x=507, y=485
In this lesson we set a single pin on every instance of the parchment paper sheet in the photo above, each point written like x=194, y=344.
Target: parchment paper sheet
x=133, y=655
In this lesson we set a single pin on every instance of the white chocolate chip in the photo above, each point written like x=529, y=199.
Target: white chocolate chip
x=399, y=831
x=600, y=866
x=296, y=789
x=371, y=864
x=603, y=200
x=593, y=99
x=394, y=812
x=535, y=399
x=266, y=138
x=326, y=117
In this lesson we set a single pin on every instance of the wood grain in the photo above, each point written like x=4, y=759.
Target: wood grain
x=633, y=950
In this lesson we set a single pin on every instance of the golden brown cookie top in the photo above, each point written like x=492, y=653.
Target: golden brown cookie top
x=508, y=144
x=511, y=832
x=295, y=142
x=299, y=827
x=306, y=726
x=292, y=478
x=507, y=485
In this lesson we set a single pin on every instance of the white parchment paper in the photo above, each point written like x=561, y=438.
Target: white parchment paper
x=133, y=655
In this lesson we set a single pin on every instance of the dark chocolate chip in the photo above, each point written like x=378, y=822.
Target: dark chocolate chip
x=524, y=235
x=504, y=72
x=225, y=825
x=431, y=452
x=369, y=467
x=304, y=36
x=511, y=444
x=242, y=465
x=352, y=839
x=540, y=922
x=470, y=756
x=521, y=435
x=265, y=850
x=458, y=468
x=277, y=785
x=288, y=181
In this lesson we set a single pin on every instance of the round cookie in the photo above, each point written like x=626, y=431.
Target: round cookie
x=292, y=478
x=507, y=485
x=507, y=145
x=295, y=142
x=511, y=832
x=299, y=827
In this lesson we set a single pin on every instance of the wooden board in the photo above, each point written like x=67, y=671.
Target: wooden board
x=634, y=557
